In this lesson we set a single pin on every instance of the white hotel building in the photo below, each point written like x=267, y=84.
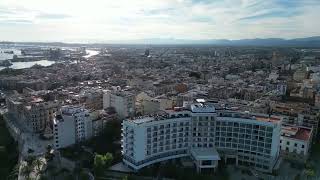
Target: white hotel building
x=205, y=135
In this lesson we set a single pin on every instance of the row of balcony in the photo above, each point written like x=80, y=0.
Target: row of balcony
x=159, y=156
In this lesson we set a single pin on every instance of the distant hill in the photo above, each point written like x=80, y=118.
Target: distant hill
x=298, y=42
x=309, y=42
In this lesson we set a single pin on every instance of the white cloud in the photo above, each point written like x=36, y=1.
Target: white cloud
x=102, y=20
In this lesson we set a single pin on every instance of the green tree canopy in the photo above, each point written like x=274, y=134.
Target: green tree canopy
x=102, y=162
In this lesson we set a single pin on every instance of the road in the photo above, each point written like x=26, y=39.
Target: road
x=26, y=141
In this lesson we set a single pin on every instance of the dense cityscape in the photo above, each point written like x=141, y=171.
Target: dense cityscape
x=159, y=111
x=159, y=90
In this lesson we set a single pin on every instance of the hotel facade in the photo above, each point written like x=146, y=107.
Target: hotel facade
x=204, y=134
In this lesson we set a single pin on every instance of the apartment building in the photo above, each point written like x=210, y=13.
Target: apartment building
x=122, y=101
x=300, y=74
x=295, y=142
x=71, y=125
x=309, y=119
x=33, y=112
x=205, y=135
x=299, y=114
x=92, y=99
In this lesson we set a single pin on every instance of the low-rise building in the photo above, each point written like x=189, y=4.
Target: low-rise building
x=295, y=142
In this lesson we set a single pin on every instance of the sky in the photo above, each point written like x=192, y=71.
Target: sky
x=125, y=20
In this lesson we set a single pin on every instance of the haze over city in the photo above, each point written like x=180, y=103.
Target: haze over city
x=111, y=21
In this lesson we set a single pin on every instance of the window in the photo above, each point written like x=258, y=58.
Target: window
x=206, y=162
x=302, y=146
x=295, y=144
x=288, y=143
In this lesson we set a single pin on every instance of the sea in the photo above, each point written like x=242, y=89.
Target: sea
x=23, y=65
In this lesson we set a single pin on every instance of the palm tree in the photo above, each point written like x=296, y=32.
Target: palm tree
x=26, y=170
x=37, y=164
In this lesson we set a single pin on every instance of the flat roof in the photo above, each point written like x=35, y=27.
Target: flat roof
x=251, y=116
x=142, y=120
x=161, y=115
x=205, y=153
x=267, y=119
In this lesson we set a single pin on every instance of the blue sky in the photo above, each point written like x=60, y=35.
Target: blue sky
x=110, y=20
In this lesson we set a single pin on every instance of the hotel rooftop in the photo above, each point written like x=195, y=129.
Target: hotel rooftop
x=181, y=112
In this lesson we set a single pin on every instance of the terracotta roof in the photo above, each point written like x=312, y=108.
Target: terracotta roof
x=296, y=132
x=303, y=134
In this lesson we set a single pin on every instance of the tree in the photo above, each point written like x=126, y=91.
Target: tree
x=48, y=154
x=105, y=142
x=102, y=162
x=43, y=178
x=53, y=171
x=26, y=170
x=310, y=173
x=83, y=175
x=297, y=177
x=14, y=173
x=37, y=164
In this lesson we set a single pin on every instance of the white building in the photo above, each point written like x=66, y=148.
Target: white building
x=295, y=142
x=205, y=135
x=72, y=125
x=122, y=101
